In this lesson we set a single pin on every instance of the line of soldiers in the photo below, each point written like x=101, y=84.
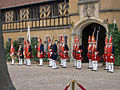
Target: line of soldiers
x=61, y=49
x=77, y=53
x=93, y=54
x=23, y=53
x=108, y=56
x=52, y=52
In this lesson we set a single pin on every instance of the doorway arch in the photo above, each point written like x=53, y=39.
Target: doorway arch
x=85, y=27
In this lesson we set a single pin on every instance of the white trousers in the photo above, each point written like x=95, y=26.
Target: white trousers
x=106, y=65
x=24, y=60
x=75, y=63
x=50, y=62
x=20, y=61
x=90, y=63
x=64, y=63
x=28, y=62
x=95, y=65
x=12, y=61
x=111, y=67
x=54, y=66
x=79, y=64
x=40, y=61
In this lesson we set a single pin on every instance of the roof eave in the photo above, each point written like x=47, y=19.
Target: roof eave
x=16, y=6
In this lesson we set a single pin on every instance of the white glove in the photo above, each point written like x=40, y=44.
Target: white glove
x=95, y=53
x=64, y=51
x=111, y=57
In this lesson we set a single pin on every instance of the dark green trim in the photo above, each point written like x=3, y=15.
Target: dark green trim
x=87, y=1
x=17, y=6
x=73, y=14
x=38, y=29
x=110, y=10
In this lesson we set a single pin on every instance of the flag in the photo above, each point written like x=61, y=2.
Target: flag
x=28, y=33
x=114, y=21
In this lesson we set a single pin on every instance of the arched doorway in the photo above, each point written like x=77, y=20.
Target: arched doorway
x=84, y=28
x=88, y=31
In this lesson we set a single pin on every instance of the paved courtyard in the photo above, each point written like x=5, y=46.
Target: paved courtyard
x=44, y=78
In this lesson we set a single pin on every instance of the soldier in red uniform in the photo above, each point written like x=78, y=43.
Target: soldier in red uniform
x=12, y=53
x=49, y=53
x=89, y=52
x=65, y=50
x=24, y=52
x=20, y=54
x=60, y=50
x=110, y=57
x=105, y=53
x=40, y=51
x=28, y=53
x=79, y=57
x=94, y=56
x=74, y=50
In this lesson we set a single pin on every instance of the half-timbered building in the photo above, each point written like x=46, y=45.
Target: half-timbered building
x=65, y=17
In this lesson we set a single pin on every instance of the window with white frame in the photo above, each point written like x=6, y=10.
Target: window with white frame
x=9, y=40
x=66, y=38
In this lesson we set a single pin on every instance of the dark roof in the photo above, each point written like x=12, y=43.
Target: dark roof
x=15, y=3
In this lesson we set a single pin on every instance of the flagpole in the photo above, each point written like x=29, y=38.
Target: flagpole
x=28, y=33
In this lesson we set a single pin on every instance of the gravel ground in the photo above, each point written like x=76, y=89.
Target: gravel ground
x=45, y=78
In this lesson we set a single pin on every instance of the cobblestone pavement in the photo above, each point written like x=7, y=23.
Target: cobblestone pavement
x=45, y=78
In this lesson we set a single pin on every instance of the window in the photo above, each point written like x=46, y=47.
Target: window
x=46, y=44
x=66, y=39
x=35, y=39
x=63, y=9
x=9, y=40
x=24, y=14
x=8, y=16
x=21, y=40
x=45, y=11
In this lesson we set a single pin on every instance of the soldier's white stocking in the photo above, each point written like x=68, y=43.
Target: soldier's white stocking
x=112, y=67
x=28, y=62
x=20, y=61
x=12, y=61
x=24, y=60
x=109, y=67
x=64, y=62
x=75, y=63
x=79, y=64
x=41, y=62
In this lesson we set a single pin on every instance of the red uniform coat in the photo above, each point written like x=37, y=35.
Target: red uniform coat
x=74, y=51
x=12, y=50
x=105, y=53
x=64, y=52
x=79, y=54
x=41, y=53
x=95, y=57
x=50, y=51
x=89, y=51
x=110, y=56
x=25, y=50
x=28, y=52
x=60, y=50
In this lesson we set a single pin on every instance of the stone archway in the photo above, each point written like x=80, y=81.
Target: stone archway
x=82, y=28
x=88, y=31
